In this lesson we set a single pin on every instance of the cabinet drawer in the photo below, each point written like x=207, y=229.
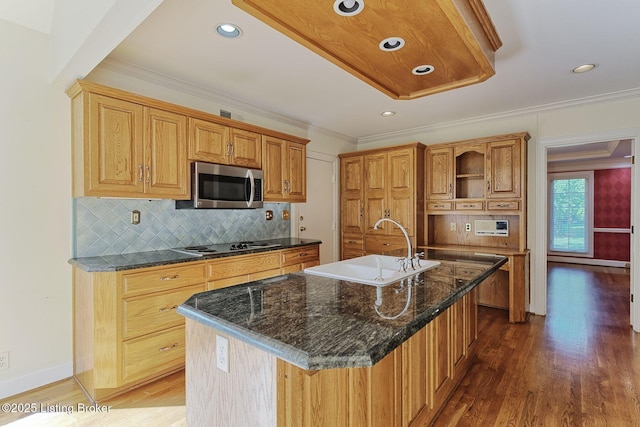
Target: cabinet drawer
x=384, y=244
x=439, y=206
x=469, y=206
x=242, y=265
x=496, y=205
x=149, y=313
x=352, y=242
x=155, y=280
x=152, y=354
x=298, y=255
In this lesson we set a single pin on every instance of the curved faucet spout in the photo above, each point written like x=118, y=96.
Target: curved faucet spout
x=404, y=231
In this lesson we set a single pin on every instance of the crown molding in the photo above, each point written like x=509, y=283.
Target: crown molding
x=224, y=101
x=421, y=130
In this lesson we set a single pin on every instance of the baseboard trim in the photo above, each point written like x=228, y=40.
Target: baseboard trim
x=589, y=261
x=18, y=385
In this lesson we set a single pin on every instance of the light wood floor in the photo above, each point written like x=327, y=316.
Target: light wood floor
x=578, y=366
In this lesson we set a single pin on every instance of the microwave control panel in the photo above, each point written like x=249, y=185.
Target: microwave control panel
x=489, y=227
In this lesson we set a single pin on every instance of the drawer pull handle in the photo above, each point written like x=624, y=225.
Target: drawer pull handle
x=175, y=276
x=386, y=244
x=302, y=254
x=502, y=205
x=169, y=347
x=164, y=309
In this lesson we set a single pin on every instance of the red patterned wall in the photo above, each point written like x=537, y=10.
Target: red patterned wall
x=612, y=209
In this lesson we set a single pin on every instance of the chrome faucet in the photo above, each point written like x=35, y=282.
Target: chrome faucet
x=406, y=236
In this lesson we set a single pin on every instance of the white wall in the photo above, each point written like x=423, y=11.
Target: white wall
x=35, y=193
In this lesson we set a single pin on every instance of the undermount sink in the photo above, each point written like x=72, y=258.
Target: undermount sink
x=366, y=269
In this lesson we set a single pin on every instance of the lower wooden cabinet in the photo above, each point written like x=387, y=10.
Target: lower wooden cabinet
x=126, y=329
x=406, y=388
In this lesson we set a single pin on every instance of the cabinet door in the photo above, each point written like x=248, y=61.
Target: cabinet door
x=274, y=169
x=440, y=174
x=166, y=154
x=351, y=192
x=401, y=182
x=246, y=148
x=503, y=169
x=208, y=142
x=375, y=204
x=115, y=150
x=296, y=167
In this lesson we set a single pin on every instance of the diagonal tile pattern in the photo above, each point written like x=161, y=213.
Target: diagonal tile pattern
x=102, y=226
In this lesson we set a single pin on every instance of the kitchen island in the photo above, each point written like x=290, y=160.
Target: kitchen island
x=303, y=350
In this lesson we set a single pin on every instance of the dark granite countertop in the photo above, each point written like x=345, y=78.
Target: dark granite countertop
x=166, y=257
x=320, y=323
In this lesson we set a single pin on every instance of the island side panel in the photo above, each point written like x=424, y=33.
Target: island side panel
x=244, y=396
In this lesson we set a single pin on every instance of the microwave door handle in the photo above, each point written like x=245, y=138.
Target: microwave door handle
x=253, y=188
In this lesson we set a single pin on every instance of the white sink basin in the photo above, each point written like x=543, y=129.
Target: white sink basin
x=365, y=269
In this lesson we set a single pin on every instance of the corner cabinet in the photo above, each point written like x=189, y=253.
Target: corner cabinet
x=383, y=183
x=285, y=170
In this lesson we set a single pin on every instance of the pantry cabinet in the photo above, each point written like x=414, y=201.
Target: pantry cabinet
x=383, y=183
x=285, y=170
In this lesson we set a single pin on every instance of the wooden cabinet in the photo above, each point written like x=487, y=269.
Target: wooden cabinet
x=384, y=183
x=285, y=170
x=439, y=174
x=126, y=329
x=216, y=143
x=124, y=149
x=481, y=175
x=127, y=145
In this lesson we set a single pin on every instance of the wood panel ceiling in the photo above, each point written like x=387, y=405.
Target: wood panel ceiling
x=454, y=37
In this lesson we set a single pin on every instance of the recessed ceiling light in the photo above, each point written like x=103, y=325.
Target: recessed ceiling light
x=584, y=68
x=423, y=69
x=388, y=113
x=348, y=7
x=229, y=31
x=391, y=43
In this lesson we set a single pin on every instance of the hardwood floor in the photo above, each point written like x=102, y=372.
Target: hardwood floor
x=578, y=366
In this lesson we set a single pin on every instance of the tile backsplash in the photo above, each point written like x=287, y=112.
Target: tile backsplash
x=103, y=226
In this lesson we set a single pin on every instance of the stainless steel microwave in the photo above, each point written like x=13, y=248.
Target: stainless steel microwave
x=223, y=187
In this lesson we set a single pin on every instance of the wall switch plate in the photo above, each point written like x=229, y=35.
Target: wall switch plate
x=285, y=214
x=467, y=226
x=222, y=353
x=135, y=217
x=452, y=226
x=4, y=360
x=268, y=215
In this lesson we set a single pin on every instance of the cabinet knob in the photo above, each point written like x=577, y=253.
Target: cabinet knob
x=303, y=228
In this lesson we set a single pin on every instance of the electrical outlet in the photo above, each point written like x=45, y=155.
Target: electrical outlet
x=452, y=226
x=4, y=360
x=467, y=226
x=222, y=353
x=135, y=217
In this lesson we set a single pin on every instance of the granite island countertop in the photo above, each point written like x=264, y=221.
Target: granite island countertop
x=135, y=260
x=315, y=322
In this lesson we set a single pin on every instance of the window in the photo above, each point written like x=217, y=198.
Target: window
x=570, y=214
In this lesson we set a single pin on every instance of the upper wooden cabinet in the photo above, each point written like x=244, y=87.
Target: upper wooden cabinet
x=216, y=143
x=382, y=183
x=128, y=145
x=123, y=149
x=485, y=174
x=285, y=170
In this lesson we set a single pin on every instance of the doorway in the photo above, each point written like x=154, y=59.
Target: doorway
x=540, y=210
x=317, y=218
